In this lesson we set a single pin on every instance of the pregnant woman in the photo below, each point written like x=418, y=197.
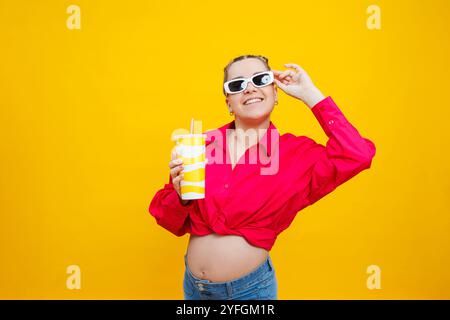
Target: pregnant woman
x=249, y=203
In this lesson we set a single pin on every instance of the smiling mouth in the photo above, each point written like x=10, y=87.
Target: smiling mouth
x=253, y=101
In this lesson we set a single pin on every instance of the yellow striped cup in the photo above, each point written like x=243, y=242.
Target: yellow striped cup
x=191, y=149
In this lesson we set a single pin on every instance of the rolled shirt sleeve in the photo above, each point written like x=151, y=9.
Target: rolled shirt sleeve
x=168, y=210
x=346, y=152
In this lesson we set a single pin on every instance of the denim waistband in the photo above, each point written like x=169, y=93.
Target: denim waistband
x=244, y=280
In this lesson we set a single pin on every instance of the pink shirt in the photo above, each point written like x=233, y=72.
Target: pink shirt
x=259, y=199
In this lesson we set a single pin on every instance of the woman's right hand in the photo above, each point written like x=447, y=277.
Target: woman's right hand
x=176, y=172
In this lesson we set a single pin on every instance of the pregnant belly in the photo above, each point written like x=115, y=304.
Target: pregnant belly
x=220, y=258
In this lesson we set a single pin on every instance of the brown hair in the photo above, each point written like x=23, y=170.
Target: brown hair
x=225, y=70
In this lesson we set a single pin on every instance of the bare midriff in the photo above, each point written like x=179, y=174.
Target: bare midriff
x=220, y=258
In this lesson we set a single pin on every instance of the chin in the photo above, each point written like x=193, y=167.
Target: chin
x=254, y=117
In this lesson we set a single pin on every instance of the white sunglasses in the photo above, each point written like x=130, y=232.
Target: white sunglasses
x=259, y=80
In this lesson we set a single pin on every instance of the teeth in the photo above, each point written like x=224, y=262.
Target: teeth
x=253, y=100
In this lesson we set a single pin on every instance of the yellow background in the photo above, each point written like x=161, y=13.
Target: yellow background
x=85, y=124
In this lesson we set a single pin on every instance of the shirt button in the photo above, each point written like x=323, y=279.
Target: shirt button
x=331, y=122
x=226, y=186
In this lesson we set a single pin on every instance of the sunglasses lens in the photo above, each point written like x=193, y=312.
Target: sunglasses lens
x=262, y=79
x=236, y=86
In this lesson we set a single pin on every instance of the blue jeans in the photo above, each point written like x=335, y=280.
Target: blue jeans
x=259, y=284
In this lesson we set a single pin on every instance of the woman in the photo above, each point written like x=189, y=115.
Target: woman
x=245, y=208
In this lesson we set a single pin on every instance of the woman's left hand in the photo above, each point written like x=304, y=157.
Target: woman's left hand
x=298, y=84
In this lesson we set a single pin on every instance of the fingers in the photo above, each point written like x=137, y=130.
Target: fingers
x=288, y=73
x=284, y=74
x=177, y=177
x=176, y=168
x=174, y=162
x=176, y=181
x=285, y=77
x=174, y=171
x=295, y=66
x=286, y=80
x=280, y=84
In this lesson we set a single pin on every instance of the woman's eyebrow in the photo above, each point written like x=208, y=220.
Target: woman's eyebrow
x=252, y=75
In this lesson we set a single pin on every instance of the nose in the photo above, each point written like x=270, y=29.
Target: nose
x=250, y=88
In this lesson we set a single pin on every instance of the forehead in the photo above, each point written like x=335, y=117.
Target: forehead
x=245, y=68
